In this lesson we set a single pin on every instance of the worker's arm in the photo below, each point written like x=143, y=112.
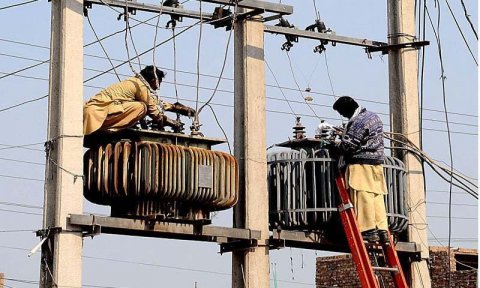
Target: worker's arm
x=153, y=110
x=351, y=141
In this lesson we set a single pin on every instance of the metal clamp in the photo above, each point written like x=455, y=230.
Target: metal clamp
x=387, y=48
x=245, y=244
x=345, y=206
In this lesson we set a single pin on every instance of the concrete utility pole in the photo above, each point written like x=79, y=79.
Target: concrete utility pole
x=404, y=119
x=61, y=264
x=250, y=268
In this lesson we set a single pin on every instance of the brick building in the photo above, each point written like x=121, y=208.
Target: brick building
x=339, y=271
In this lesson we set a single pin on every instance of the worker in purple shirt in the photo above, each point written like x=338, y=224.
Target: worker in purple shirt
x=361, y=146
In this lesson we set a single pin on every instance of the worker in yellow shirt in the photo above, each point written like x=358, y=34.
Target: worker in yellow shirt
x=123, y=104
x=362, y=148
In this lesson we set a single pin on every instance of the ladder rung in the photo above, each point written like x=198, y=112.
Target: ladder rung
x=388, y=269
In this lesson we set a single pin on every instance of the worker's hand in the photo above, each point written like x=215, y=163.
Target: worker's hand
x=182, y=109
x=324, y=130
x=174, y=124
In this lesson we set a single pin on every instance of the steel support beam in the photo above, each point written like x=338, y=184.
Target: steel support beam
x=323, y=36
x=159, y=229
x=153, y=8
x=318, y=241
x=257, y=4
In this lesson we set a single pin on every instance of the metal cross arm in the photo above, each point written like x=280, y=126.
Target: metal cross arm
x=153, y=8
x=257, y=5
x=323, y=36
x=387, y=48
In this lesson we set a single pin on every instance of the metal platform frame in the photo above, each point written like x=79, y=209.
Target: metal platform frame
x=229, y=239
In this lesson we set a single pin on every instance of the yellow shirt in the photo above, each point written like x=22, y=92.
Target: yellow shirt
x=365, y=177
x=109, y=101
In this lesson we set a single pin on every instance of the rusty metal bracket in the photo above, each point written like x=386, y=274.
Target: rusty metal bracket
x=275, y=244
x=387, y=48
x=48, y=231
x=244, y=244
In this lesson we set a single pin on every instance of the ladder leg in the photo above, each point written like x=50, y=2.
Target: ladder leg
x=392, y=260
x=354, y=238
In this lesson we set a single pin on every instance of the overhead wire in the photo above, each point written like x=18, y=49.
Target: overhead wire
x=467, y=15
x=155, y=44
x=17, y=4
x=454, y=176
x=443, y=78
x=298, y=86
x=155, y=265
x=268, y=110
x=280, y=88
x=101, y=45
x=461, y=32
x=196, y=121
x=214, y=76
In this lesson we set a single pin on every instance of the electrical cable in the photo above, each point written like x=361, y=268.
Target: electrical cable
x=155, y=42
x=443, y=77
x=468, y=18
x=281, y=90
x=214, y=76
x=268, y=110
x=221, y=72
x=433, y=165
x=196, y=121
x=18, y=4
x=23, y=103
x=157, y=265
x=461, y=32
x=298, y=86
x=22, y=146
x=101, y=45
x=221, y=128
x=141, y=54
x=174, y=63
x=127, y=32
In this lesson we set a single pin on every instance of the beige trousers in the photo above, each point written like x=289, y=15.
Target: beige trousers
x=370, y=210
x=131, y=114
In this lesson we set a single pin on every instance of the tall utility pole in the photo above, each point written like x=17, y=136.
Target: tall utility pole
x=250, y=268
x=404, y=119
x=61, y=264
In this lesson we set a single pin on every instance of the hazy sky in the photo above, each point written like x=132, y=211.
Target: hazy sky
x=122, y=261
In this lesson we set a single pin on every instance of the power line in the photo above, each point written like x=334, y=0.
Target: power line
x=461, y=32
x=21, y=178
x=18, y=4
x=468, y=19
x=22, y=161
x=22, y=146
x=231, y=92
x=154, y=265
x=223, y=78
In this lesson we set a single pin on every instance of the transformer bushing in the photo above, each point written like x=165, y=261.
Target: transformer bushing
x=303, y=194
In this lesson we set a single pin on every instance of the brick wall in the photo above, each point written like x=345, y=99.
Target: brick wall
x=339, y=271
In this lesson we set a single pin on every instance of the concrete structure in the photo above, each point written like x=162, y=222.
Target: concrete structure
x=63, y=172
x=339, y=271
x=250, y=268
x=404, y=120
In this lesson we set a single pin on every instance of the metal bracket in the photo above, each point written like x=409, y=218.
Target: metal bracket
x=92, y=230
x=48, y=231
x=387, y=48
x=246, y=244
x=345, y=206
x=276, y=243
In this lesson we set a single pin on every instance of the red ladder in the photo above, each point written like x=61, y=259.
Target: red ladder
x=365, y=270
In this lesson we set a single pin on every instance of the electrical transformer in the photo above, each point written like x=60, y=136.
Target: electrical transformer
x=171, y=176
x=302, y=190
